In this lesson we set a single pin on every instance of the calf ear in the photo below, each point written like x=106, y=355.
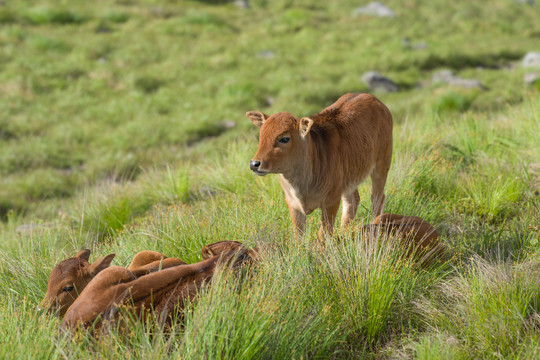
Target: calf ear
x=257, y=118
x=101, y=264
x=83, y=254
x=305, y=125
x=207, y=253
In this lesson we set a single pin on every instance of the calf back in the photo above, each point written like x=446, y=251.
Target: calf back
x=417, y=235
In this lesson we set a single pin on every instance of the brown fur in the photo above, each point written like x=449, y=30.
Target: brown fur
x=221, y=247
x=148, y=261
x=327, y=157
x=163, y=291
x=419, y=237
x=77, y=272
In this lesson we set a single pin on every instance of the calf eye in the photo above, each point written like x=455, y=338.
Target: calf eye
x=284, y=140
x=67, y=288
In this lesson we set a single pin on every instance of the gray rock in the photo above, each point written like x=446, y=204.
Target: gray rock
x=406, y=42
x=448, y=77
x=242, y=4
x=374, y=8
x=30, y=227
x=467, y=83
x=531, y=59
x=269, y=101
x=378, y=82
x=531, y=78
x=227, y=124
x=442, y=76
x=266, y=54
x=157, y=10
x=208, y=191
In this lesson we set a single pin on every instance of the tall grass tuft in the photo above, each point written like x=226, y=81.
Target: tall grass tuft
x=490, y=307
x=268, y=314
x=371, y=283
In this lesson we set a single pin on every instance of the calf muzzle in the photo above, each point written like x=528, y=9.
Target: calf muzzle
x=254, y=165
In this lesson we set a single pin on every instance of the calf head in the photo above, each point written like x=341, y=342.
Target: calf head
x=68, y=279
x=281, y=142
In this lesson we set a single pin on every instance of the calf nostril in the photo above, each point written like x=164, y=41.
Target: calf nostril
x=254, y=164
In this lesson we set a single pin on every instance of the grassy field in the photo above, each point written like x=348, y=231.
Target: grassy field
x=122, y=128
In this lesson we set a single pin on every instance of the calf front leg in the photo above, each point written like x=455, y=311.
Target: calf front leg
x=328, y=217
x=299, y=221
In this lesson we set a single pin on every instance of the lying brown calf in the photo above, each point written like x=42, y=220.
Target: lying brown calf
x=420, y=237
x=163, y=291
x=69, y=278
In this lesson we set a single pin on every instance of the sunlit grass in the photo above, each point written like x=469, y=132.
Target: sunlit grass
x=122, y=128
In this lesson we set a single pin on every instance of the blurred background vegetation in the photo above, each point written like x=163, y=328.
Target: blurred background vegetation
x=122, y=128
x=99, y=91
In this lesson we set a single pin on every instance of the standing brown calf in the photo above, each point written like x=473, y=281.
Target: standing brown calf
x=163, y=291
x=323, y=159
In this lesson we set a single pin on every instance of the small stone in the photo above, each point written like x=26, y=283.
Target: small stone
x=269, y=101
x=448, y=77
x=266, y=54
x=531, y=59
x=28, y=228
x=466, y=83
x=406, y=42
x=378, y=82
x=227, y=124
x=241, y=4
x=374, y=8
x=531, y=78
x=207, y=191
x=157, y=10
x=442, y=76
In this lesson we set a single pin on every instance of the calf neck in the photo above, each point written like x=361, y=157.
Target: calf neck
x=322, y=159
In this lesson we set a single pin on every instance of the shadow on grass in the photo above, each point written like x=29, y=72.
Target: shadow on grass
x=459, y=61
x=204, y=131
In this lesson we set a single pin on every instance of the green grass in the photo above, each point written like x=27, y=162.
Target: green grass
x=115, y=135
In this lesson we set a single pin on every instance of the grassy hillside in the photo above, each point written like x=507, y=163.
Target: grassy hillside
x=122, y=129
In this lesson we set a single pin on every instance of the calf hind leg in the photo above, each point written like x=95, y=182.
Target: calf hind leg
x=378, y=181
